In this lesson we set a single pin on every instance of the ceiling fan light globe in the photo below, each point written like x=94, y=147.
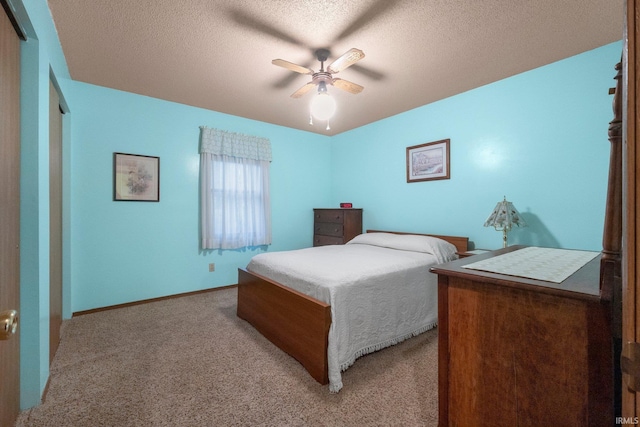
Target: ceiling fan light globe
x=323, y=106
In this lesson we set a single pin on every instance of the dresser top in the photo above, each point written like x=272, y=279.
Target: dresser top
x=583, y=284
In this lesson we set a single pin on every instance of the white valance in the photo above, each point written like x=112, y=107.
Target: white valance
x=220, y=142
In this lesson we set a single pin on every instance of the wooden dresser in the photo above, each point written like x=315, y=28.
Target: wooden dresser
x=515, y=351
x=336, y=226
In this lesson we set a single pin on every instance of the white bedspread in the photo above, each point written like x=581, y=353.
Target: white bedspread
x=378, y=296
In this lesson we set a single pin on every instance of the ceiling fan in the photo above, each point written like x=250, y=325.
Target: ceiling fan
x=323, y=77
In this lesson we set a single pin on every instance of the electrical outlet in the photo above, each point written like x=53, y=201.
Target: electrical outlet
x=212, y=267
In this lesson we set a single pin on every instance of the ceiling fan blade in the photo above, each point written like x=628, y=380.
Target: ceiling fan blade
x=256, y=24
x=285, y=81
x=349, y=58
x=304, y=89
x=291, y=66
x=375, y=11
x=347, y=86
x=369, y=72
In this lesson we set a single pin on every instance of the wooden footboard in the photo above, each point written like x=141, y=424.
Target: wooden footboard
x=296, y=323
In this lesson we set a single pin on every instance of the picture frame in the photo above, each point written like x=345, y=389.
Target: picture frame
x=136, y=178
x=428, y=162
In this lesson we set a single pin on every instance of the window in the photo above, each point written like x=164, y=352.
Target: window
x=234, y=186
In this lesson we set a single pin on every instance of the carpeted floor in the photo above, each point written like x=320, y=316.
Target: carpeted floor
x=191, y=362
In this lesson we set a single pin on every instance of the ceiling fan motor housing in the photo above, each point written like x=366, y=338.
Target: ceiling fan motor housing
x=321, y=78
x=322, y=54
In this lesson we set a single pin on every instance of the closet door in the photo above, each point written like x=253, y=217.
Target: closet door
x=55, y=221
x=9, y=217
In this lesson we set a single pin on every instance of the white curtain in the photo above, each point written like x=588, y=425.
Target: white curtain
x=235, y=209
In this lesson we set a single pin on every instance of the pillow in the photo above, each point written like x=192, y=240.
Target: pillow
x=441, y=249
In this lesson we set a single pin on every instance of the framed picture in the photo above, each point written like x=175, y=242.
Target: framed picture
x=136, y=178
x=428, y=162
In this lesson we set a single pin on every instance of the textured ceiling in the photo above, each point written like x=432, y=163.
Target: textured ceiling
x=216, y=54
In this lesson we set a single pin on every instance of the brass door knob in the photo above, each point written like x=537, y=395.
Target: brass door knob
x=8, y=324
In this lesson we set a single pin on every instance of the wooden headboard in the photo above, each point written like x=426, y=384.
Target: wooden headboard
x=461, y=243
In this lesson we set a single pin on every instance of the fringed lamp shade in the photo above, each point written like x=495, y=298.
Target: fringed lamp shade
x=503, y=218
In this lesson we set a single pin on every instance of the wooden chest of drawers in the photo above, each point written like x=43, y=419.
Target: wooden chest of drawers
x=518, y=351
x=336, y=226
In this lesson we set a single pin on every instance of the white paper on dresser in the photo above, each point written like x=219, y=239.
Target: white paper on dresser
x=547, y=264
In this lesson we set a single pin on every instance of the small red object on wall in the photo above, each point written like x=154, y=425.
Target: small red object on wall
x=346, y=205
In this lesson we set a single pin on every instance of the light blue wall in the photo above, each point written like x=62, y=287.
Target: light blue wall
x=130, y=251
x=122, y=252
x=41, y=61
x=538, y=138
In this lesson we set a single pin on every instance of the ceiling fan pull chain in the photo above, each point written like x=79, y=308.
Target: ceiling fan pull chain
x=311, y=119
x=328, y=127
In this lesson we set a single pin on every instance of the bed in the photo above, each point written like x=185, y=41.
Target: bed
x=377, y=288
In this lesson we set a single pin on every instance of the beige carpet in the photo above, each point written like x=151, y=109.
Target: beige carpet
x=191, y=362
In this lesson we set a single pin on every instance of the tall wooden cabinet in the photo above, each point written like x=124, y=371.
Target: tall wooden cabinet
x=631, y=196
x=515, y=351
x=336, y=226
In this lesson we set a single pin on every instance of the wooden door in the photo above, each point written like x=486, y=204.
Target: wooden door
x=631, y=200
x=9, y=214
x=55, y=221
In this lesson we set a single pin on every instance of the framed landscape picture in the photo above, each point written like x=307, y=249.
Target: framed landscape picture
x=136, y=178
x=428, y=161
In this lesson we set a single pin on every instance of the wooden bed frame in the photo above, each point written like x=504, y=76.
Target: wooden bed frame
x=294, y=322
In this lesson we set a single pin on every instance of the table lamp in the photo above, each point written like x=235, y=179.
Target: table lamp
x=503, y=217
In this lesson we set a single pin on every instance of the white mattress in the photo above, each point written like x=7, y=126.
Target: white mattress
x=378, y=296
